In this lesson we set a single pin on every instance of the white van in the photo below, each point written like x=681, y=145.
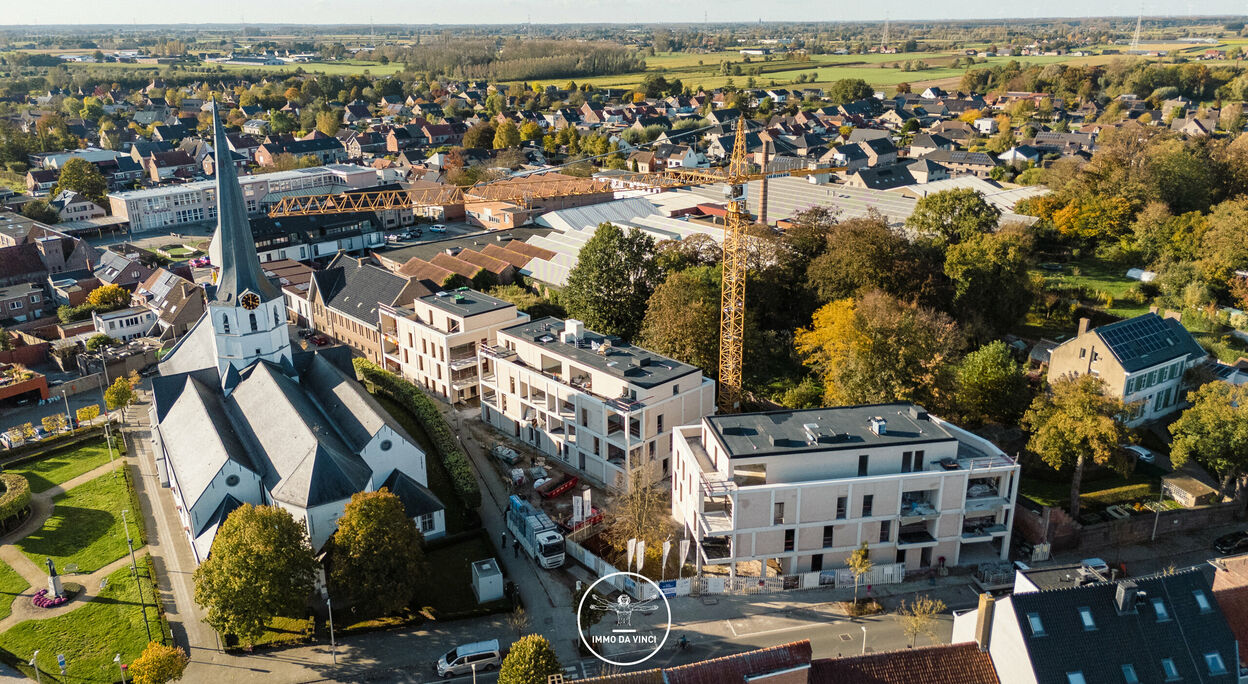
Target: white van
x=459, y=660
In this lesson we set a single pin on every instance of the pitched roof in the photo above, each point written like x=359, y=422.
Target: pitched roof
x=939, y=664
x=19, y=260
x=1147, y=340
x=416, y=498
x=739, y=667
x=354, y=287
x=1230, y=590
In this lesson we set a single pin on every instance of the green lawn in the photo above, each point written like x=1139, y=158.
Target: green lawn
x=345, y=68
x=11, y=585
x=86, y=526
x=1101, y=282
x=65, y=465
x=91, y=635
x=1145, y=484
x=449, y=589
x=285, y=631
x=439, y=480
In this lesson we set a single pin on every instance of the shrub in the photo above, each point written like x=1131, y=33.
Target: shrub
x=426, y=412
x=16, y=496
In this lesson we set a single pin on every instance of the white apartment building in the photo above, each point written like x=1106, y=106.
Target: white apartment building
x=124, y=324
x=434, y=342
x=176, y=205
x=808, y=487
x=599, y=405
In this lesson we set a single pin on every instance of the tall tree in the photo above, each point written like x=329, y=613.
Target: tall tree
x=990, y=385
x=506, y=135
x=260, y=567
x=328, y=121
x=110, y=296
x=41, y=211
x=613, y=278
x=954, y=215
x=682, y=318
x=84, y=178
x=919, y=617
x=531, y=660
x=159, y=664
x=866, y=254
x=1074, y=422
x=119, y=394
x=479, y=136
x=378, y=560
x=992, y=289
x=1214, y=433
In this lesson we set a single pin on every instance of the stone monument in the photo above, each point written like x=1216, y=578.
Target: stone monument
x=54, y=580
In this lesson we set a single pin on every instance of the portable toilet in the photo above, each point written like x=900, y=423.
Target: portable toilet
x=487, y=580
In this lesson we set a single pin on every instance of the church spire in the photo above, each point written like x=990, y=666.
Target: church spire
x=240, y=267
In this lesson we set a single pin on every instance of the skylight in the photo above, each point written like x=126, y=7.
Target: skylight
x=1085, y=614
x=1159, y=607
x=1037, y=627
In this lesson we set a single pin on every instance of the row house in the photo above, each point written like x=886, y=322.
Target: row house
x=326, y=150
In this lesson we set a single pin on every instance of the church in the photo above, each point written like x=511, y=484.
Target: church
x=241, y=415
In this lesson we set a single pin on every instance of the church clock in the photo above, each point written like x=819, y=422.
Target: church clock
x=250, y=301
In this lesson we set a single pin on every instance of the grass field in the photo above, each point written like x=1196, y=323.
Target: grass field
x=1099, y=280
x=86, y=526
x=66, y=465
x=344, y=68
x=91, y=635
x=283, y=631
x=11, y=586
x=1050, y=493
x=449, y=589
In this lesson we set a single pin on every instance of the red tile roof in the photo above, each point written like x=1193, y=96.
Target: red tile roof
x=728, y=669
x=498, y=252
x=1230, y=590
x=941, y=664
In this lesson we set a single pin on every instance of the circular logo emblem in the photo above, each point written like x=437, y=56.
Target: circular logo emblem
x=624, y=631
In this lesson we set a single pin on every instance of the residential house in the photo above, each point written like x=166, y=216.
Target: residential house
x=125, y=270
x=22, y=301
x=806, y=488
x=125, y=324
x=927, y=171
x=41, y=181
x=1140, y=360
x=31, y=252
x=344, y=300
x=256, y=127
x=355, y=112
x=177, y=303
x=71, y=206
x=1020, y=155
x=326, y=150
x=316, y=236
x=434, y=341
x=879, y=151
x=163, y=166
x=926, y=143
x=600, y=406
x=979, y=164
x=881, y=177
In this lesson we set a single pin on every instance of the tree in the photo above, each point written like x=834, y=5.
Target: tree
x=328, y=121
x=613, y=279
x=159, y=664
x=954, y=215
x=990, y=385
x=378, y=559
x=84, y=178
x=535, y=305
x=119, y=394
x=54, y=423
x=682, y=318
x=1094, y=218
x=531, y=660
x=642, y=512
x=282, y=122
x=518, y=620
x=1073, y=422
x=864, y=253
x=992, y=290
x=99, y=340
x=506, y=135
x=880, y=349
x=849, y=90
x=530, y=131
x=108, y=297
x=40, y=211
x=859, y=562
x=1214, y=432
x=919, y=617
x=86, y=414
x=479, y=136
x=260, y=567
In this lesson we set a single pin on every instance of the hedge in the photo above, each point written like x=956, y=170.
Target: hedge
x=31, y=451
x=16, y=496
x=1109, y=497
x=463, y=479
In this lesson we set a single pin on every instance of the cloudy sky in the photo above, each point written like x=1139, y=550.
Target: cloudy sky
x=559, y=11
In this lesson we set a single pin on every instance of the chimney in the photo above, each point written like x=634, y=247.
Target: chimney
x=983, y=622
x=1083, y=325
x=1176, y=315
x=1125, y=596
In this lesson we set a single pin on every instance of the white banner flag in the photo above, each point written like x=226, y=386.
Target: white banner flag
x=667, y=547
x=684, y=551
x=641, y=554
x=632, y=548
x=578, y=513
x=589, y=507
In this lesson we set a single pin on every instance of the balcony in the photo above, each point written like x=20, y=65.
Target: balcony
x=915, y=540
x=490, y=397
x=715, y=522
x=462, y=363
x=463, y=384
x=981, y=532
x=982, y=495
x=716, y=549
x=917, y=511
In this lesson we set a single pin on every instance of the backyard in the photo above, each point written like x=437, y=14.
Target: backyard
x=1099, y=489
x=86, y=527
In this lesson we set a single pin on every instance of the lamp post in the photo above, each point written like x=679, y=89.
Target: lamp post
x=329, y=607
x=121, y=667
x=34, y=657
x=864, y=639
x=69, y=417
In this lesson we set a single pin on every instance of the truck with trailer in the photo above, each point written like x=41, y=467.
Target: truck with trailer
x=536, y=532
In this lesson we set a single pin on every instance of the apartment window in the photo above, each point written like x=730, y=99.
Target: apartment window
x=1168, y=666
x=886, y=529
x=584, y=414
x=660, y=422
x=1075, y=678
x=862, y=465
x=1159, y=607
x=1128, y=674
x=1083, y=353
x=918, y=461
x=1037, y=627
x=906, y=458
x=868, y=500
x=842, y=504
x=1214, y=662
x=829, y=533
x=1202, y=601
x=675, y=390
x=789, y=536
x=778, y=513
x=1085, y=616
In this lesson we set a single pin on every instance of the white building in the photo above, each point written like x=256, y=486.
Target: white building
x=434, y=342
x=124, y=324
x=603, y=407
x=195, y=202
x=806, y=488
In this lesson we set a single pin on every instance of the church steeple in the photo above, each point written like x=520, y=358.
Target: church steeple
x=240, y=267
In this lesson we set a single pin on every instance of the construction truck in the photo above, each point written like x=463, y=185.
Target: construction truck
x=536, y=532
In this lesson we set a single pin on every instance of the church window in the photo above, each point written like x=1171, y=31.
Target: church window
x=225, y=324
x=385, y=445
x=277, y=316
x=252, y=317
x=231, y=480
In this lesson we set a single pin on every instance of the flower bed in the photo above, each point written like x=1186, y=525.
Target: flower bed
x=42, y=600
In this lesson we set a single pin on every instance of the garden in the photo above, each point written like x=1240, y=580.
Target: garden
x=86, y=527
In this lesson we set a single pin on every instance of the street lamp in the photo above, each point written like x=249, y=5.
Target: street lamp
x=864, y=639
x=329, y=607
x=134, y=569
x=121, y=667
x=34, y=657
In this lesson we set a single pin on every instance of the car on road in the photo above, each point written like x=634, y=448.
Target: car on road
x=1140, y=453
x=1233, y=543
x=480, y=656
x=437, y=228
x=392, y=238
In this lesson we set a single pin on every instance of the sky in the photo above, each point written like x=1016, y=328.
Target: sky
x=565, y=11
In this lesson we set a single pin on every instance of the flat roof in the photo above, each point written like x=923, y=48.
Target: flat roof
x=773, y=433
x=197, y=186
x=19, y=289
x=476, y=241
x=465, y=302
x=637, y=366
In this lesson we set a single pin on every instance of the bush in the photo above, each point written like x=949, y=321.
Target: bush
x=16, y=496
x=425, y=411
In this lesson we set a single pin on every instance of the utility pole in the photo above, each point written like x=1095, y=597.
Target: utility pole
x=1139, y=21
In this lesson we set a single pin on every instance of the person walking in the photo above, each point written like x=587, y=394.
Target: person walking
x=515, y=546
x=503, y=546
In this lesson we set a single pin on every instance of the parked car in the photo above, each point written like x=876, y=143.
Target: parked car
x=1140, y=453
x=1233, y=543
x=437, y=228
x=1090, y=565
x=304, y=333
x=320, y=340
x=481, y=656
x=392, y=238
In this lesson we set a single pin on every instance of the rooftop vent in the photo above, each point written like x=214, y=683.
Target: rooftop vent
x=879, y=426
x=1126, y=596
x=917, y=413
x=812, y=432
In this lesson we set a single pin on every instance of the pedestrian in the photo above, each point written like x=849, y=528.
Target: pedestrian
x=515, y=546
x=503, y=547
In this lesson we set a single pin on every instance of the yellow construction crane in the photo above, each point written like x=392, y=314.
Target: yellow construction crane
x=525, y=191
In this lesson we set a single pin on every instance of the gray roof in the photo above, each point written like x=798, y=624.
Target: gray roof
x=961, y=157
x=352, y=410
x=417, y=499
x=465, y=302
x=773, y=433
x=1139, y=637
x=1148, y=340
x=196, y=350
x=223, y=511
x=354, y=287
x=640, y=367
x=240, y=267
x=201, y=426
